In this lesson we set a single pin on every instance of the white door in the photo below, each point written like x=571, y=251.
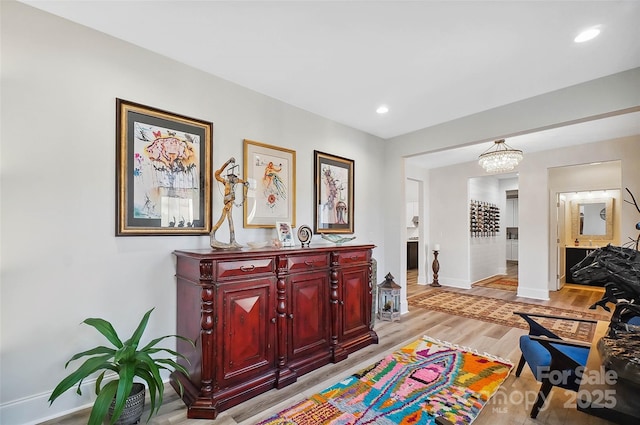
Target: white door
x=561, y=242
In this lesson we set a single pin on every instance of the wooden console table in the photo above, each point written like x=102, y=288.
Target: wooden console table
x=263, y=317
x=616, y=402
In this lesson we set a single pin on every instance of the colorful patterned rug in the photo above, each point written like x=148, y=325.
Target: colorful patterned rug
x=499, y=282
x=414, y=385
x=495, y=310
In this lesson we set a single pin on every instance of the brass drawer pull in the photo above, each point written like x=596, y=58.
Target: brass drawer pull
x=309, y=263
x=248, y=269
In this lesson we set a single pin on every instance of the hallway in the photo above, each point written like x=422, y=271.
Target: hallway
x=571, y=296
x=412, y=277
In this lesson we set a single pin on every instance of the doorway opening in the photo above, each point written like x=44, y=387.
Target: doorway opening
x=574, y=190
x=585, y=222
x=413, y=223
x=511, y=230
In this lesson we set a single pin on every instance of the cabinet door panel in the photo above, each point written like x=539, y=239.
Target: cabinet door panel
x=355, y=295
x=247, y=328
x=310, y=328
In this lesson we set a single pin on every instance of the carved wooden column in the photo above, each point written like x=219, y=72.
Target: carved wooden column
x=336, y=308
x=207, y=328
x=285, y=375
x=207, y=334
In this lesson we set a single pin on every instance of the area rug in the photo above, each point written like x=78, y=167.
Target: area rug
x=495, y=310
x=414, y=385
x=499, y=282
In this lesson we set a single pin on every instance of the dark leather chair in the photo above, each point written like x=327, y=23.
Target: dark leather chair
x=552, y=360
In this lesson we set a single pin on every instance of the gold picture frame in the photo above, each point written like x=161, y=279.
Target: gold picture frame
x=605, y=216
x=271, y=195
x=163, y=172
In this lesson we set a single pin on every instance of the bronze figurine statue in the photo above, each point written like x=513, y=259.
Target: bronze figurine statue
x=229, y=181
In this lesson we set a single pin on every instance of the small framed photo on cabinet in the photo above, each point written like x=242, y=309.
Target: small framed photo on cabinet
x=285, y=233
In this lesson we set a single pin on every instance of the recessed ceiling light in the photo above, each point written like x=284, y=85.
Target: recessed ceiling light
x=382, y=109
x=588, y=34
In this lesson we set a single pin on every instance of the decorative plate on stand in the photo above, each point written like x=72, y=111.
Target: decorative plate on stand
x=304, y=235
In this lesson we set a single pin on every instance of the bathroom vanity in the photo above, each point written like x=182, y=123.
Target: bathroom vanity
x=573, y=256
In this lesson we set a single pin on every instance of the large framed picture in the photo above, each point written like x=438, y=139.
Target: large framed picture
x=271, y=196
x=334, y=193
x=163, y=172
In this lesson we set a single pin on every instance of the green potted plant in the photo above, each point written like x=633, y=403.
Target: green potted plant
x=128, y=362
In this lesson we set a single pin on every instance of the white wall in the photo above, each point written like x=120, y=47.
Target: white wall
x=60, y=260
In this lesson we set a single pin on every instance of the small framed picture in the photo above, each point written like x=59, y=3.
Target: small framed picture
x=285, y=233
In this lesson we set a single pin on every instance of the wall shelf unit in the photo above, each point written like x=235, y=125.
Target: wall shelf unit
x=484, y=219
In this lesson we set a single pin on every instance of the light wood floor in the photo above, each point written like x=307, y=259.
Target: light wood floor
x=511, y=405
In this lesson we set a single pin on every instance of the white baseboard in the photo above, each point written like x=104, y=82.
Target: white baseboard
x=538, y=294
x=455, y=283
x=35, y=409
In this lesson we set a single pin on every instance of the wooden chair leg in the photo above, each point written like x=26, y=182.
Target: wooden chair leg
x=520, y=366
x=545, y=389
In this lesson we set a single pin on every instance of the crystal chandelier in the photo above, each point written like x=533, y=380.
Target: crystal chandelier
x=500, y=157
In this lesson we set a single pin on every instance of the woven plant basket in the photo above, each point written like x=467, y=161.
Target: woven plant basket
x=133, y=407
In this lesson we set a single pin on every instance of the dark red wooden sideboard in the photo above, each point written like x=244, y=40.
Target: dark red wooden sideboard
x=263, y=317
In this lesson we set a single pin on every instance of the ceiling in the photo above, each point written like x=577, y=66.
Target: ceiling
x=624, y=125
x=428, y=61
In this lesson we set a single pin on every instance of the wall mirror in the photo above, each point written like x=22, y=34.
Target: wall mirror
x=592, y=219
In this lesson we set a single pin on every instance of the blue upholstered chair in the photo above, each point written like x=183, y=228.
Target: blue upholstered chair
x=625, y=313
x=552, y=360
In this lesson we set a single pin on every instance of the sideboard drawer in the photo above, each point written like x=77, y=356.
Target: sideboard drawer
x=229, y=269
x=307, y=262
x=352, y=257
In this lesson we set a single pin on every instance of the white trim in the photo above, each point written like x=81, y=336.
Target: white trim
x=535, y=293
x=35, y=409
x=455, y=283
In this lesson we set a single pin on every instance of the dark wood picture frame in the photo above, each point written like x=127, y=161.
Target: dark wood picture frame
x=163, y=172
x=334, y=193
